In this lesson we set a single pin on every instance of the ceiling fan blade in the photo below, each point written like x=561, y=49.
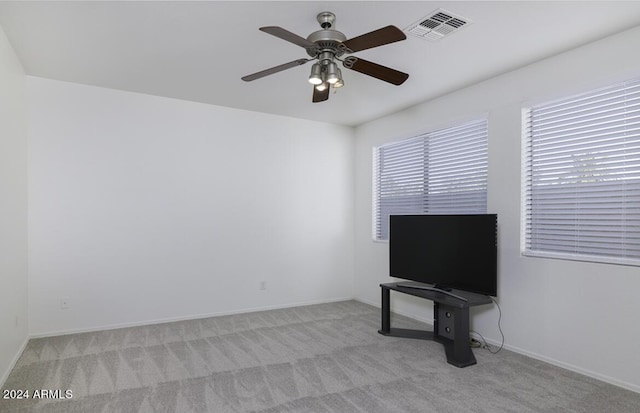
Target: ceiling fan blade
x=366, y=67
x=274, y=69
x=380, y=37
x=320, y=96
x=288, y=36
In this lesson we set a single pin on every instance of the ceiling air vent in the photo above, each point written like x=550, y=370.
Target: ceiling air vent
x=437, y=25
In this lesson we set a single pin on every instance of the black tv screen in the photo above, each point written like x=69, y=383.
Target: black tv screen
x=450, y=251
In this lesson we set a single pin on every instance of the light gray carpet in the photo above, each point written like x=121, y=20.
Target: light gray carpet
x=318, y=358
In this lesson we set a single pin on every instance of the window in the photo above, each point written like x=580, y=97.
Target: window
x=582, y=177
x=440, y=172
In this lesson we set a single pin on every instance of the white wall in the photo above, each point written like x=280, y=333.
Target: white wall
x=13, y=208
x=145, y=208
x=579, y=315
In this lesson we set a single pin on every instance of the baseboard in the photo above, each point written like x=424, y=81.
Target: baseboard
x=598, y=376
x=184, y=318
x=558, y=363
x=5, y=375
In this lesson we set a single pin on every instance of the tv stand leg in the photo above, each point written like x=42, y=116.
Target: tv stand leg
x=386, y=311
x=451, y=328
x=386, y=329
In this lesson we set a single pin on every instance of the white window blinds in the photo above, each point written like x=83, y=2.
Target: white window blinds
x=582, y=176
x=440, y=172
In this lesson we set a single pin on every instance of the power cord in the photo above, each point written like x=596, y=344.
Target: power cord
x=485, y=345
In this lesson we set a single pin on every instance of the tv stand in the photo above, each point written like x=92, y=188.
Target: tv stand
x=450, y=319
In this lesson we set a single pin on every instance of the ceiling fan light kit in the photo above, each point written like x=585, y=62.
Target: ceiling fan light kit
x=322, y=86
x=315, y=78
x=328, y=45
x=333, y=73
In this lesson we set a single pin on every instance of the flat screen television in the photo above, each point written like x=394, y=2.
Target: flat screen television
x=456, y=252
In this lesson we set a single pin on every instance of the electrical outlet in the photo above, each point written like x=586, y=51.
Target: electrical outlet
x=64, y=303
x=263, y=285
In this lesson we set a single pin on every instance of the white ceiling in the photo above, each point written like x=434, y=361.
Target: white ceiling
x=198, y=51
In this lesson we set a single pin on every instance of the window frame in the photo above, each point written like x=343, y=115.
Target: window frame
x=528, y=199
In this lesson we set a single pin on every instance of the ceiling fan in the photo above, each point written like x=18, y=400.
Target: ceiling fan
x=328, y=45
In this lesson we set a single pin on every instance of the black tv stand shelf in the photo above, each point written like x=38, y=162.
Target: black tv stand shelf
x=450, y=319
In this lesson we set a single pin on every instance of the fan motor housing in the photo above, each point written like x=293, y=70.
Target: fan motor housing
x=327, y=41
